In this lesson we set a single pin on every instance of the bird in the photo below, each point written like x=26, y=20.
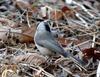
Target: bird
x=48, y=45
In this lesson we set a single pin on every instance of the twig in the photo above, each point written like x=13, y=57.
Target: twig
x=94, y=37
x=38, y=69
x=46, y=73
x=98, y=70
x=92, y=16
x=84, y=22
x=28, y=20
x=21, y=16
x=66, y=69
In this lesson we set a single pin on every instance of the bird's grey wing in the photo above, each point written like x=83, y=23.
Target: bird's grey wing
x=50, y=43
x=53, y=46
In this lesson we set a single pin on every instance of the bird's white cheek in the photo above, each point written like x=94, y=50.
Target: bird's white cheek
x=44, y=51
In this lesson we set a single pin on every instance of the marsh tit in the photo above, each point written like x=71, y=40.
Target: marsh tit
x=47, y=45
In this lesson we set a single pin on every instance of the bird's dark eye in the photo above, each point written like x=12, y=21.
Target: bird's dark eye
x=47, y=27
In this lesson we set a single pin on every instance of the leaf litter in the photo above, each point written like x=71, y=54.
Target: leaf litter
x=75, y=25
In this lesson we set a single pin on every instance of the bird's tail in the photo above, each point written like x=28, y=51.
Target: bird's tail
x=74, y=59
x=77, y=60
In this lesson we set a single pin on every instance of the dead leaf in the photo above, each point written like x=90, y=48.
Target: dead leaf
x=26, y=4
x=31, y=58
x=63, y=41
x=3, y=33
x=8, y=22
x=27, y=34
x=91, y=53
x=68, y=12
x=56, y=15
